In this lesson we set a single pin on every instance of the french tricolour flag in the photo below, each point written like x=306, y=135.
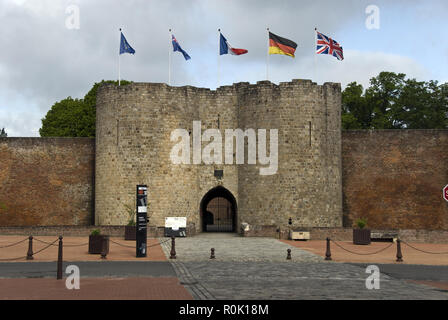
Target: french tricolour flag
x=225, y=48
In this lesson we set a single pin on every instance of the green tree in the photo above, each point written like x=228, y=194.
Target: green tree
x=382, y=96
x=356, y=113
x=3, y=133
x=73, y=117
x=394, y=102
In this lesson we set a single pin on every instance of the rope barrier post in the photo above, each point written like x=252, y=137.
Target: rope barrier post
x=104, y=249
x=399, y=254
x=328, y=252
x=288, y=257
x=173, y=248
x=29, y=254
x=59, y=272
x=212, y=253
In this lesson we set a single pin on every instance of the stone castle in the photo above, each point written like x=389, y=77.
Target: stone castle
x=324, y=178
x=133, y=146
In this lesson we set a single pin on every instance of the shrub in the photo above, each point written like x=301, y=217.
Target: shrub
x=361, y=223
x=95, y=232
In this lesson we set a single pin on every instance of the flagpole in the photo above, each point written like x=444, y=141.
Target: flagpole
x=267, y=59
x=219, y=58
x=119, y=54
x=315, y=55
x=169, y=59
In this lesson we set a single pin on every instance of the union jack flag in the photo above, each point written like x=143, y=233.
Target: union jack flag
x=326, y=45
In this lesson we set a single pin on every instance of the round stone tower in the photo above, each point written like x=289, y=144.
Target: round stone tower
x=307, y=185
x=133, y=146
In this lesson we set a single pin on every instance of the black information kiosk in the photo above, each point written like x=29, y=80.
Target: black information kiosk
x=142, y=216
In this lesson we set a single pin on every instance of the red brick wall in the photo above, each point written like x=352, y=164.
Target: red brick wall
x=394, y=178
x=46, y=181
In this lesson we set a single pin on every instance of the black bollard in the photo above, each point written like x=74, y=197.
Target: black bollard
x=288, y=257
x=29, y=254
x=212, y=253
x=173, y=248
x=399, y=254
x=104, y=249
x=328, y=252
x=59, y=272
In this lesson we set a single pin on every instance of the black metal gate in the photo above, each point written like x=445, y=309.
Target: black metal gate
x=219, y=215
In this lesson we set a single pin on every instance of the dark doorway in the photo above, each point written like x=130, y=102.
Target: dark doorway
x=218, y=211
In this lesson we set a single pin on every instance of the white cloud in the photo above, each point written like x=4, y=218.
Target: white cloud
x=362, y=66
x=45, y=62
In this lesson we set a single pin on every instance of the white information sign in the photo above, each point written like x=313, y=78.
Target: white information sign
x=176, y=222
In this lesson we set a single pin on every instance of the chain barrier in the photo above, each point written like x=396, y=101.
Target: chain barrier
x=423, y=250
x=363, y=254
x=121, y=245
x=75, y=245
x=126, y=246
x=160, y=243
x=49, y=244
x=20, y=258
x=65, y=245
x=41, y=241
x=14, y=244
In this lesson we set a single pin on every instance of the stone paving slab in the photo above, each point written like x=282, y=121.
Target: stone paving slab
x=300, y=281
x=256, y=268
x=234, y=248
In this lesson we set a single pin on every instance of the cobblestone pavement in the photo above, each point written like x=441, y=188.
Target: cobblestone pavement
x=294, y=281
x=229, y=247
x=256, y=268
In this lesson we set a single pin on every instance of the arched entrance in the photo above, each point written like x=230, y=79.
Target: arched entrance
x=218, y=211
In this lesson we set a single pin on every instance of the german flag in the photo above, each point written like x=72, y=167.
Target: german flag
x=279, y=45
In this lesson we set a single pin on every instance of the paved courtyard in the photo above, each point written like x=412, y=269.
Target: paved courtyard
x=256, y=268
x=231, y=247
x=244, y=268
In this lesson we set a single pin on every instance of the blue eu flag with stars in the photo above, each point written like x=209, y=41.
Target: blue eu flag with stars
x=124, y=46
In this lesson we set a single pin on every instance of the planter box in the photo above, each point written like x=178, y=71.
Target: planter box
x=361, y=236
x=96, y=244
x=130, y=233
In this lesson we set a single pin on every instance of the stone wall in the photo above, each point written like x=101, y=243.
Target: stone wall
x=307, y=186
x=46, y=181
x=394, y=178
x=134, y=124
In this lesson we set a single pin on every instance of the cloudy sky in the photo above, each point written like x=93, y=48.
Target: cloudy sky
x=44, y=57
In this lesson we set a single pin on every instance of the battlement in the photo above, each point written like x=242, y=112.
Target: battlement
x=134, y=145
x=236, y=87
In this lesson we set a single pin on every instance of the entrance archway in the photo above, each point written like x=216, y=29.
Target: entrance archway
x=218, y=211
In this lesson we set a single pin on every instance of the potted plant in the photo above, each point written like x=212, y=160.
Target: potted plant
x=96, y=242
x=130, y=231
x=361, y=235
